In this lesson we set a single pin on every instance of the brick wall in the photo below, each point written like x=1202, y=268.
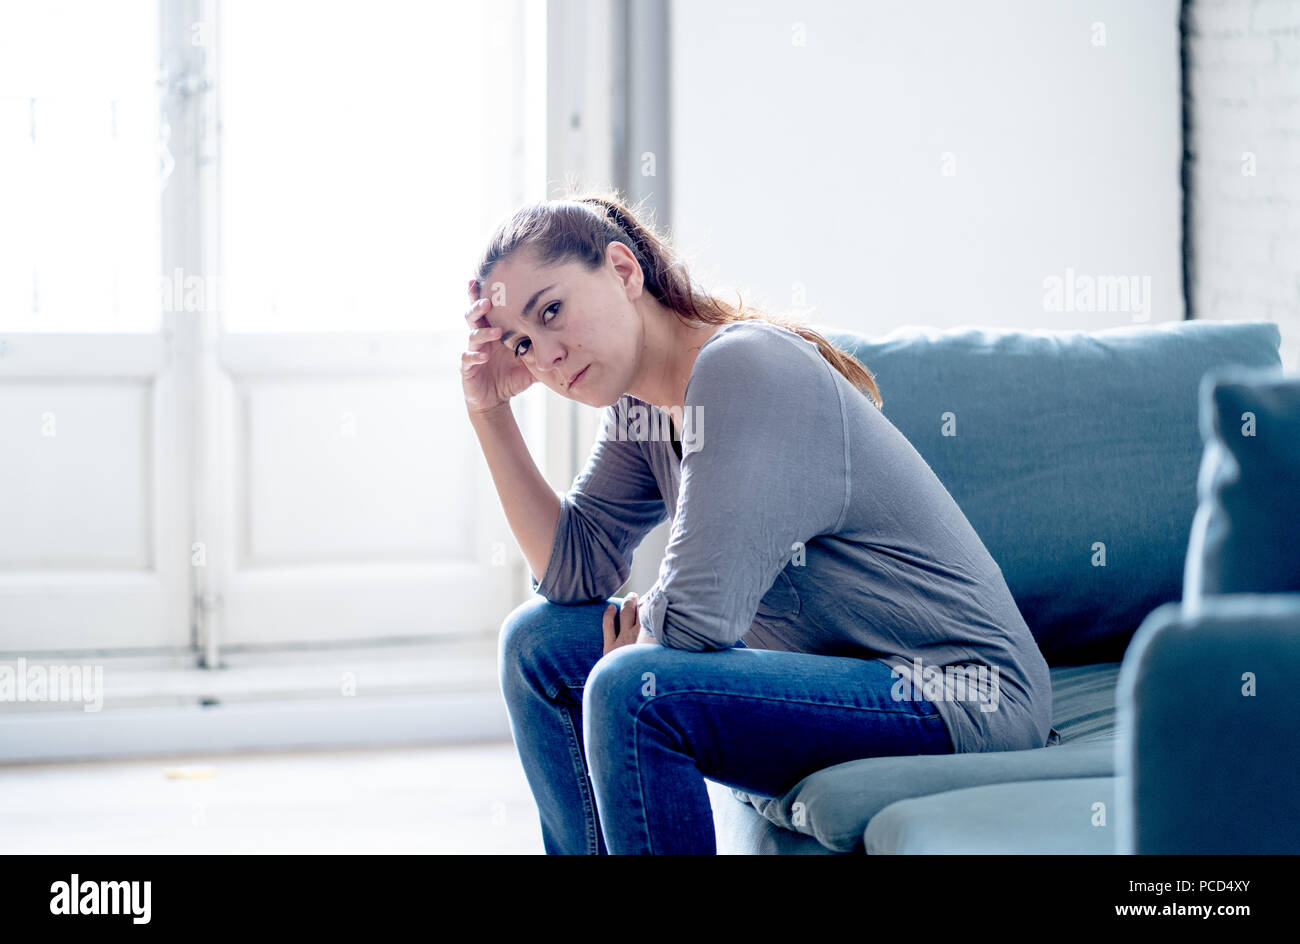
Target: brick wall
x=1243, y=84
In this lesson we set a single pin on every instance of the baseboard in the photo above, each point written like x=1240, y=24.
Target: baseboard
x=337, y=721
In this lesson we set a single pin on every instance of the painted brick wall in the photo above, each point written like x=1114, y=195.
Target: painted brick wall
x=1243, y=69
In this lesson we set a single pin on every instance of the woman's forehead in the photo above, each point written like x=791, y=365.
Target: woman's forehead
x=513, y=286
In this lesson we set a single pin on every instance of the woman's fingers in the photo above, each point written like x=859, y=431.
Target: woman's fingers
x=628, y=616
x=483, y=335
x=607, y=627
x=476, y=311
x=627, y=628
x=479, y=338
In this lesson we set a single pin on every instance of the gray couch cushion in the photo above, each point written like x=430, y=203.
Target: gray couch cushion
x=835, y=805
x=1046, y=817
x=1083, y=701
x=741, y=831
x=1243, y=535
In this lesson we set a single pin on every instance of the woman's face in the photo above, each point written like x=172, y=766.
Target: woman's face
x=565, y=321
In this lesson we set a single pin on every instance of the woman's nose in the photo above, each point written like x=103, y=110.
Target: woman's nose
x=551, y=356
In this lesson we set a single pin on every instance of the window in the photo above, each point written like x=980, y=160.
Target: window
x=81, y=151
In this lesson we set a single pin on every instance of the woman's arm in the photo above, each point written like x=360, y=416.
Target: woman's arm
x=581, y=542
x=531, y=506
x=770, y=469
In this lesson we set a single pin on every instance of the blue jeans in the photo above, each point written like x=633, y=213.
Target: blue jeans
x=616, y=747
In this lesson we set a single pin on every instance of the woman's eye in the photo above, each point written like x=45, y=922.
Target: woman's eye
x=545, y=321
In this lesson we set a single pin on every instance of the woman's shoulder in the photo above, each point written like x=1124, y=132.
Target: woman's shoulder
x=756, y=355
x=753, y=332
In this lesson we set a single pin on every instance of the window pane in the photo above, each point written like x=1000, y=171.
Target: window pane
x=352, y=161
x=79, y=166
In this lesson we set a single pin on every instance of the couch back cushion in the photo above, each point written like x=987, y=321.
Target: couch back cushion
x=1246, y=533
x=1073, y=454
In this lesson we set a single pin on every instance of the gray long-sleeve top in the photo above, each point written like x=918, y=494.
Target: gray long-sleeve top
x=802, y=520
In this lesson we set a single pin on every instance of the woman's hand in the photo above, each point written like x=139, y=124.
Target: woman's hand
x=489, y=371
x=628, y=628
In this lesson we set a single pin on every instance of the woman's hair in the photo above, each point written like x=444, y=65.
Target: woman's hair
x=580, y=227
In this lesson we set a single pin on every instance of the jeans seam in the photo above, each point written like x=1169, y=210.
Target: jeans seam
x=774, y=698
x=588, y=802
x=643, y=808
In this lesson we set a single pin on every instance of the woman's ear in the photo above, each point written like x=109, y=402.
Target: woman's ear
x=626, y=268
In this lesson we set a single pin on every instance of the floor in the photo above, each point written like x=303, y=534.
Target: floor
x=453, y=799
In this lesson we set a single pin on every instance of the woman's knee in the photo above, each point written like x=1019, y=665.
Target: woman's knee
x=521, y=630
x=622, y=681
x=538, y=633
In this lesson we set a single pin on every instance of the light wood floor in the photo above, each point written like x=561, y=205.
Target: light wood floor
x=453, y=799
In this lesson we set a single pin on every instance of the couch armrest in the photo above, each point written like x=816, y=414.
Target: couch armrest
x=1208, y=721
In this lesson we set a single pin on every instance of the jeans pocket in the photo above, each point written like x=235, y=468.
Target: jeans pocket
x=925, y=708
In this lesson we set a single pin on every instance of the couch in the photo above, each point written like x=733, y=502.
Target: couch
x=1096, y=468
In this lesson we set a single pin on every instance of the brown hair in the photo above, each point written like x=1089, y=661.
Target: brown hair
x=580, y=227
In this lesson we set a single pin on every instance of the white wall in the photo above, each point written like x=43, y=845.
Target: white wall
x=822, y=163
x=1244, y=71
x=808, y=160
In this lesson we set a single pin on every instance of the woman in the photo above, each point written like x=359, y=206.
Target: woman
x=822, y=598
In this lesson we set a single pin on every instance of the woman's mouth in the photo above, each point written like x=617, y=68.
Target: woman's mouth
x=578, y=377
